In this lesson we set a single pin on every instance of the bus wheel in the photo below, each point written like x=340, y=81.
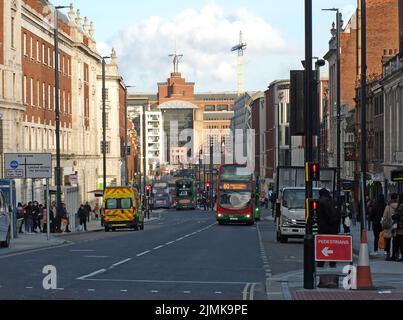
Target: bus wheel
x=283, y=239
x=107, y=229
x=221, y=223
x=136, y=228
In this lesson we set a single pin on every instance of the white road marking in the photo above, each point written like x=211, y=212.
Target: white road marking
x=143, y=253
x=91, y=290
x=159, y=247
x=179, y=239
x=121, y=262
x=218, y=292
x=28, y=287
x=168, y=243
x=91, y=274
x=186, y=292
x=252, y=291
x=168, y=281
x=96, y=257
x=245, y=292
x=154, y=291
x=123, y=290
x=82, y=250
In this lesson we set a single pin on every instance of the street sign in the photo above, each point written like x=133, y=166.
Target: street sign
x=334, y=248
x=28, y=165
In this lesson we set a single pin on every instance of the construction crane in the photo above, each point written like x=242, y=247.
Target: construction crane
x=240, y=48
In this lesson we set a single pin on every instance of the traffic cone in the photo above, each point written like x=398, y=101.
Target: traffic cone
x=364, y=277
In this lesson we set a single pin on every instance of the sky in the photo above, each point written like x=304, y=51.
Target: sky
x=145, y=33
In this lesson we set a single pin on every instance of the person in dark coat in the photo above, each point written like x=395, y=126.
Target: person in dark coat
x=329, y=220
x=82, y=215
x=376, y=216
x=35, y=216
x=88, y=210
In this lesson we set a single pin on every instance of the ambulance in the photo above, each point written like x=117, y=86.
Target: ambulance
x=122, y=209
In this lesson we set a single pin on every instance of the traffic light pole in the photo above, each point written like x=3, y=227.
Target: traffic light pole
x=211, y=172
x=309, y=245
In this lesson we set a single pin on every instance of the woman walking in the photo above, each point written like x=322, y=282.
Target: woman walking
x=387, y=225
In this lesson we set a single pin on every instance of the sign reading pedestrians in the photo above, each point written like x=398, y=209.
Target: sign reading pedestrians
x=334, y=248
x=28, y=165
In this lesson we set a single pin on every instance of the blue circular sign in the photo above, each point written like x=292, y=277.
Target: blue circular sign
x=14, y=164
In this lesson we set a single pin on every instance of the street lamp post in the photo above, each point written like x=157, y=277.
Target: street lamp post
x=309, y=245
x=57, y=112
x=125, y=154
x=104, y=119
x=338, y=102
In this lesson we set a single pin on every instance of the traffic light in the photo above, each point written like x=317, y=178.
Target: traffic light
x=148, y=191
x=313, y=209
x=314, y=172
x=208, y=186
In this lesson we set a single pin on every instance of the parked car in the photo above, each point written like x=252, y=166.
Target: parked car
x=5, y=223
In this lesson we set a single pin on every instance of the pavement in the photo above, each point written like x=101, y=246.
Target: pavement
x=387, y=278
x=36, y=241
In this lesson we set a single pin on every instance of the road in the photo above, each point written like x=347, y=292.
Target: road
x=182, y=255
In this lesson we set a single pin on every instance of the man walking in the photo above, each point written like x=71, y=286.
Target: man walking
x=328, y=219
x=88, y=210
x=82, y=215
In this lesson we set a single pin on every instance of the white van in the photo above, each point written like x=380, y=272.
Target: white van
x=5, y=220
x=291, y=222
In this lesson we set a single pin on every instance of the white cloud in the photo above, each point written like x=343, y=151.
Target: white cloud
x=204, y=36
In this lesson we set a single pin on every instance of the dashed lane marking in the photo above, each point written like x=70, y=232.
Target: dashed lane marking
x=159, y=247
x=29, y=287
x=187, y=292
x=154, y=291
x=92, y=274
x=143, y=253
x=91, y=290
x=218, y=292
x=123, y=290
x=95, y=257
x=120, y=263
x=169, y=281
x=170, y=242
x=81, y=250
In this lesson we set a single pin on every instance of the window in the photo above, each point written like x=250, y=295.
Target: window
x=106, y=94
x=223, y=107
x=25, y=90
x=125, y=203
x=49, y=61
x=64, y=102
x=68, y=103
x=38, y=90
x=49, y=104
x=44, y=95
x=43, y=54
x=108, y=147
x=38, y=56
x=32, y=92
x=111, y=204
x=12, y=32
x=63, y=70
x=54, y=62
x=31, y=45
x=106, y=120
x=25, y=44
x=68, y=67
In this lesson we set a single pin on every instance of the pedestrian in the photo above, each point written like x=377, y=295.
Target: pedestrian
x=369, y=206
x=328, y=218
x=375, y=217
x=82, y=215
x=88, y=210
x=387, y=225
x=29, y=219
x=40, y=216
x=20, y=215
x=35, y=213
x=347, y=217
x=96, y=212
x=398, y=226
x=65, y=218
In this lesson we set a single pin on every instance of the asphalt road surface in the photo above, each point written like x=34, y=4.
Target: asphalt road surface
x=182, y=255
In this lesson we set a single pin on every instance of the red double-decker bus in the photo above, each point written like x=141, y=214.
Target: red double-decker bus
x=237, y=195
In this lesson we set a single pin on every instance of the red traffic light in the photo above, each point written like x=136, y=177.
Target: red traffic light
x=314, y=172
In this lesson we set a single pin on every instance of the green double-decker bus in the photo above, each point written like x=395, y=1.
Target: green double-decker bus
x=185, y=194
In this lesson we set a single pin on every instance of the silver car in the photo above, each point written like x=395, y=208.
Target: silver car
x=5, y=229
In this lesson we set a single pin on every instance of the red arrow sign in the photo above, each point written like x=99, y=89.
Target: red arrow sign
x=334, y=248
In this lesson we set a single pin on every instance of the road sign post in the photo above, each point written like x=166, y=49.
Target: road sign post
x=29, y=166
x=333, y=248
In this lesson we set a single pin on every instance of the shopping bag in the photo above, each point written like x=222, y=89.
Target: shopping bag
x=381, y=242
